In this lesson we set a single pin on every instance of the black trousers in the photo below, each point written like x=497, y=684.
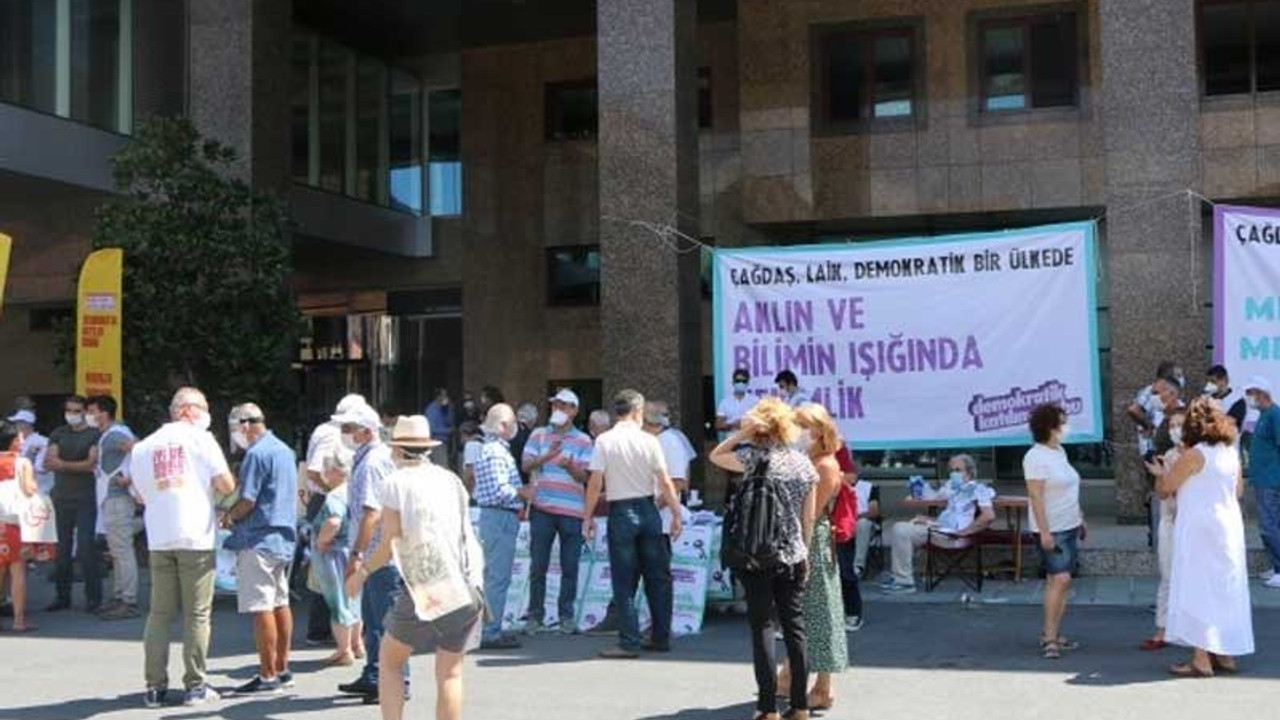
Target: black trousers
x=849, y=583
x=779, y=592
x=76, y=518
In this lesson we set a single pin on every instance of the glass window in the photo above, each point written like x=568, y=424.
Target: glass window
x=28, y=53
x=1266, y=35
x=369, y=94
x=1240, y=46
x=333, y=115
x=300, y=106
x=1029, y=62
x=573, y=275
x=704, y=98
x=866, y=74
x=445, y=150
x=95, y=62
x=571, y=110
x=405, y=123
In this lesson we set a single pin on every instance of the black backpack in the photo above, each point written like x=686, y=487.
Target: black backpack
x=753, y=533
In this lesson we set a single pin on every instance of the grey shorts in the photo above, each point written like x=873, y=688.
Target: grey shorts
x=402, y=623
x=262, y=582
x=1065, y=555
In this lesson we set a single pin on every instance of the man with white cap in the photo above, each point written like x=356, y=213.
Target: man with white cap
x=370, y=468
x=325, y=442
x=34, y=446
x=501, y=497
x=555, y=458
x=425, y=515
x=1264, y=470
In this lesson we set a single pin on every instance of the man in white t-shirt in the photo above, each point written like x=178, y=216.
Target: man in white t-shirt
x=628, y=466
x=175, y=473
x=34, y=447
x=734, y=406
x=676, y=450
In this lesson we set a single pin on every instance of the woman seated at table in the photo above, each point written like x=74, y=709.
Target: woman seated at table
x=969, y=510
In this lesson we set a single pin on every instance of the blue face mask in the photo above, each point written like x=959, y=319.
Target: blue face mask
x=740, y=387
x=956, y=480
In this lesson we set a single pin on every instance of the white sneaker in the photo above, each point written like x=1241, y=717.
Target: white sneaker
x=852, y=624
x=1267, y=574
x=1273, y=583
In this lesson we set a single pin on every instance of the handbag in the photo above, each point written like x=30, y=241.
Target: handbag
x=454, y=622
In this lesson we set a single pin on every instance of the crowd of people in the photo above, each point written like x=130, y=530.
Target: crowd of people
x=380, y=510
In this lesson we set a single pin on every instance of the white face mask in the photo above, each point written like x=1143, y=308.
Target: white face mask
x=1064, y=431
x=1210, y=389
x=1175, y=434
x=804, y=443
x=203, y=421
x=91, y=420
x=74, y=419
x=349, y=442
x=239, y=439
x=1251, y=402
x=559, y=418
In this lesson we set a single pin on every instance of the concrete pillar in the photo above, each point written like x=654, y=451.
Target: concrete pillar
x=648, y=163
x=239, y=65
x=1150, y=112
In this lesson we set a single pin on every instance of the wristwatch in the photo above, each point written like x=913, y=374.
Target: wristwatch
x=357, y=555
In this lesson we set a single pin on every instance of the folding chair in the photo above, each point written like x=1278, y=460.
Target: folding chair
x=944, y=558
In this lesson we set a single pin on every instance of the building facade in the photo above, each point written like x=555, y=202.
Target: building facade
x=474, y=186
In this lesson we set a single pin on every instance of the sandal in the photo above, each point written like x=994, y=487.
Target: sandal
x=1067, y=645
x=1153, y=645
x=1189, y=670
x=1224, y=665
x=821, y=702
x=1050, y=649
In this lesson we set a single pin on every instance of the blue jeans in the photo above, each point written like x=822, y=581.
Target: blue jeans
x=637, y=548
x=1269, y=521
x=379, y=596
x=498, y=531
x=544, y=527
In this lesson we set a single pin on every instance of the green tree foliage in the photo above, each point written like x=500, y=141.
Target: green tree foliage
x=206, y=278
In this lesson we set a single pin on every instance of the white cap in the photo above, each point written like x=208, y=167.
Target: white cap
x=349, y=403
x=566, y=396
x=362, y=415
x=23, y=416
x=1257, y=382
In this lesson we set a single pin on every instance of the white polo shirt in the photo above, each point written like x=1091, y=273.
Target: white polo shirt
x=631, y=460
x=732, y=408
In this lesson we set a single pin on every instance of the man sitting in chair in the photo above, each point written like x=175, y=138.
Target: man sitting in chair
x=969, y=511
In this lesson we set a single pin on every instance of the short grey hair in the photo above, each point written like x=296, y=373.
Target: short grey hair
x=970, y=465
x=499, y=415
x=247, y=410
x=627, y=402
x=599, y=418
x=187, y=396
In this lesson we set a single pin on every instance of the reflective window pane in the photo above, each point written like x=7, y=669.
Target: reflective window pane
x=95, y=62
x=333, y=118
x=1054, y=57
x=369, y=94
x=1225, y=30
x=28, y=53
x=1266, y=35
x=893, y=73
x=573, y=275
x=300, y=106
x=845, y=73
x=571, y=110
x=1003, y=65
x=445, y=151
x=704, y=98
x=405, y=127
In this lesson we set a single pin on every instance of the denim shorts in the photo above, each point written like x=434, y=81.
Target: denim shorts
x=1063, y=558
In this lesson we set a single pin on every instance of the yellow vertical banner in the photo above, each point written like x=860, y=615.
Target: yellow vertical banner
x=99, y=307
x=5, y=243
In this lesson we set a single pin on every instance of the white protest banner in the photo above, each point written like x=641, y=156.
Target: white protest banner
x=1246, y=274
x=920, y=343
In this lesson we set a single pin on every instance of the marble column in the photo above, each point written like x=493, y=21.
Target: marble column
x=1150, y=112
x=239, y=64
x=648, y=163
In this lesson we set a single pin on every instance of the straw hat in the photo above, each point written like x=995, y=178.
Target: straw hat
x=413, y=431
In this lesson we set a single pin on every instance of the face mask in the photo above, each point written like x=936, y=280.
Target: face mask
x=957, y=478
x=74, y=419
x=740, y=387
x=1064, y=431
x=1175, y=434
x=559, y=418
x=1182, y=380
x=805, y=443
x=239, y=439
x=91, y=420
x=1251, y=402
x=349, y=442
x=1210, y=389
x=203, y=421
x=664, y=420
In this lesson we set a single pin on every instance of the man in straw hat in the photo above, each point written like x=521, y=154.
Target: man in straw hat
x=426, y=527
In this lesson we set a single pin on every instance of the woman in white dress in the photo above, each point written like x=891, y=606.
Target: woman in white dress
x=1209, y=608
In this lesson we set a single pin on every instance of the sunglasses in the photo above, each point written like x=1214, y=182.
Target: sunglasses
x=250, y=421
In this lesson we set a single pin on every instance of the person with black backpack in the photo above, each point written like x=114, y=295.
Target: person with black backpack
x=767, y=529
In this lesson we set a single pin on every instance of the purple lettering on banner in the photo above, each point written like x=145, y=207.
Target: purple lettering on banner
x=1012, y=408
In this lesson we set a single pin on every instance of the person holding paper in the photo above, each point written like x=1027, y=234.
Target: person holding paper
x=13, y=560
x=426, y=528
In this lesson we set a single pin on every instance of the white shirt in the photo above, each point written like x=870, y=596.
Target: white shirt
x=962, y=505
x=862, y=489
x=678, y=453
x=172, y=471
x=1061, y=487
x=325, y=442
x=471, y=452
x=34, y=447
x=631, y=460
x=732, y=408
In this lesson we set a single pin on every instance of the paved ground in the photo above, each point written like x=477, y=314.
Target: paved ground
x=923, y=660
